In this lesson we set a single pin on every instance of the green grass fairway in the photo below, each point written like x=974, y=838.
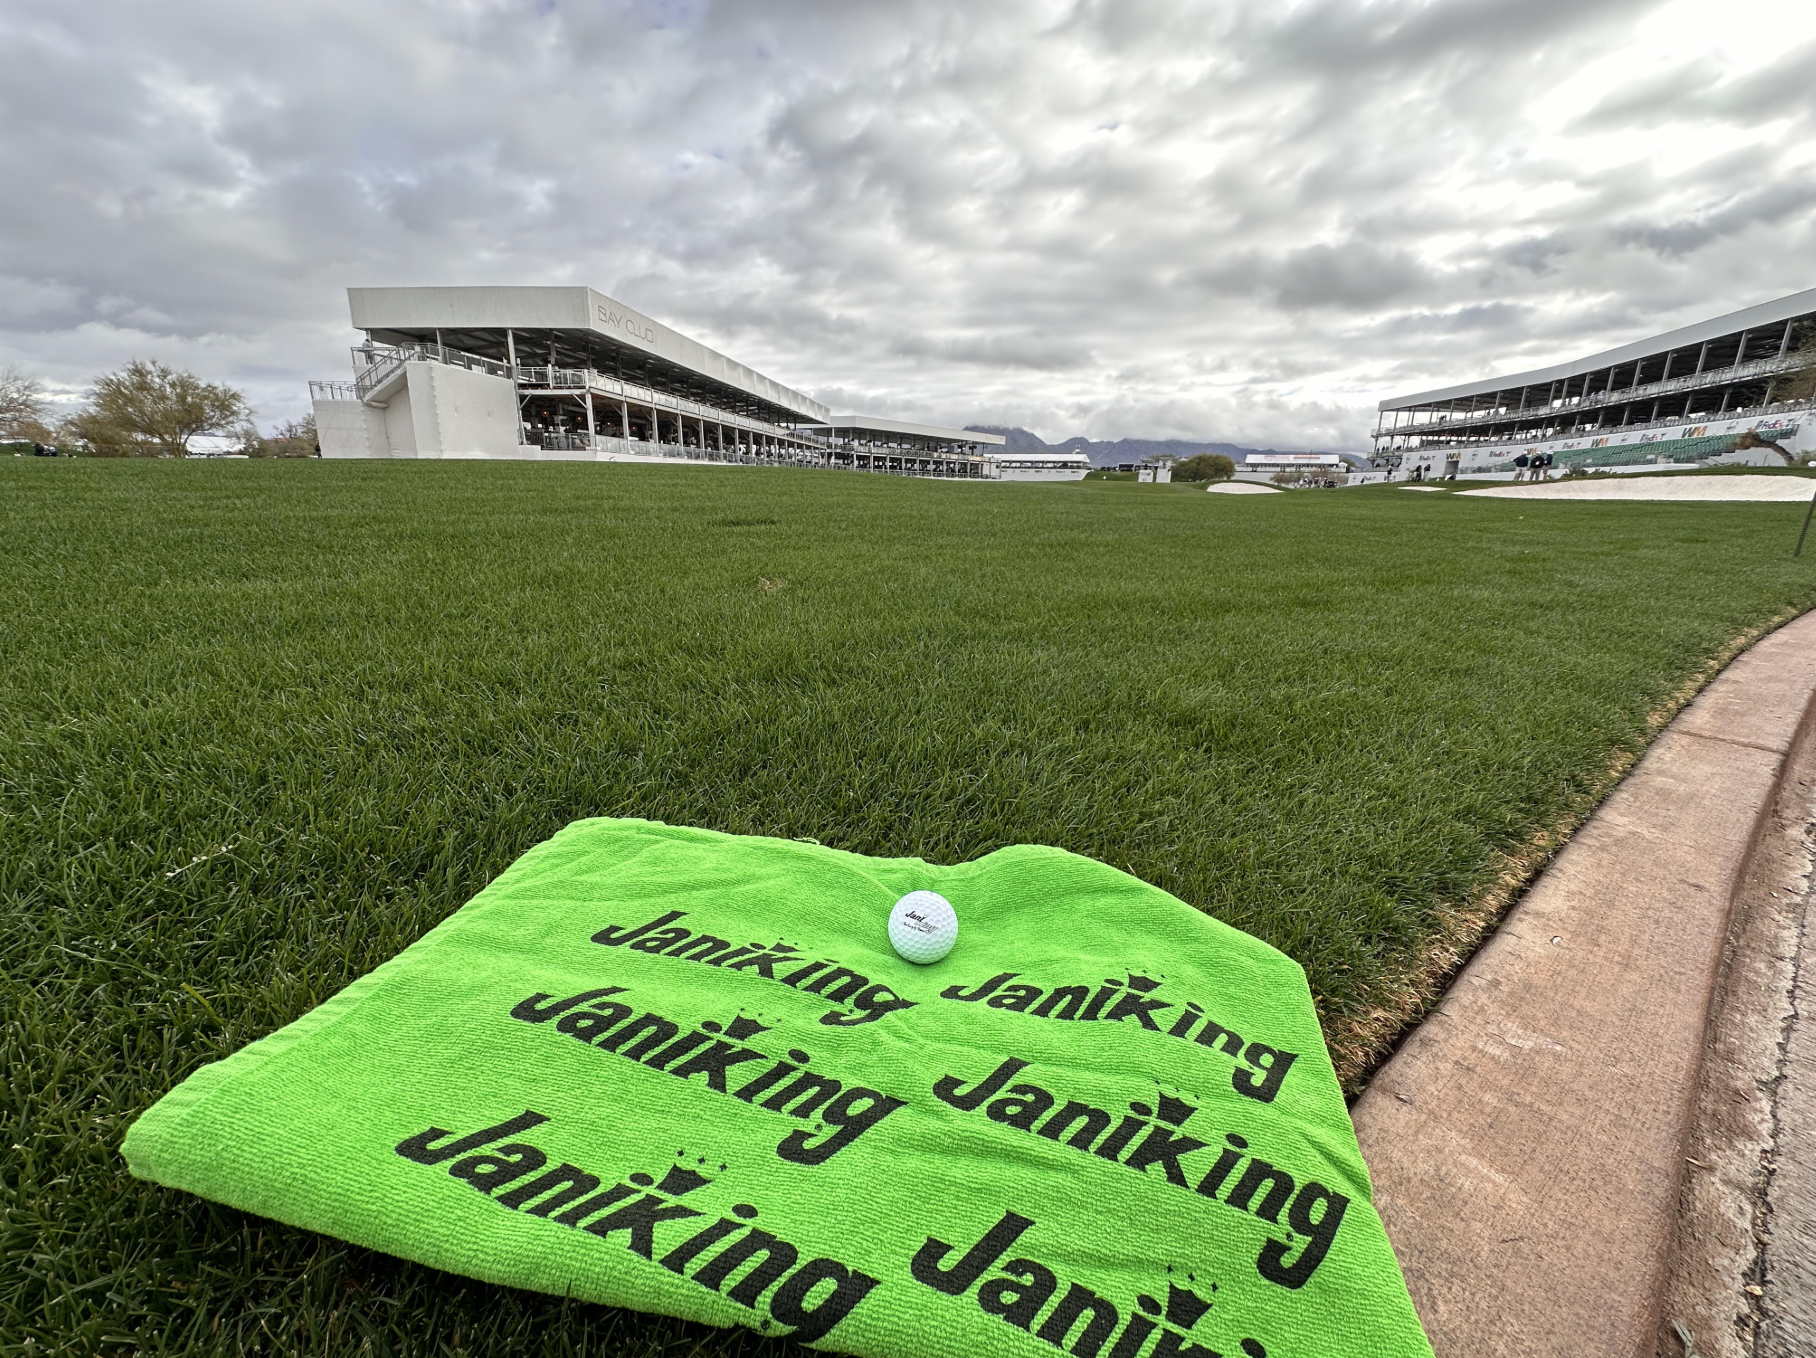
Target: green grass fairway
x=264, y=724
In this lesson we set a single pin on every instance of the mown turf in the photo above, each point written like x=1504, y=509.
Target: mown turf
x=263, y=724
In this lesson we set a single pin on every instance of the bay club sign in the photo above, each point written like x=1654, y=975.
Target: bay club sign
x=625, y=323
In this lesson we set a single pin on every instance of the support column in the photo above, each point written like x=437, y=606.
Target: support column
x=624, y=420
x=1784, y=345
x=510, y=350
x=592, y=434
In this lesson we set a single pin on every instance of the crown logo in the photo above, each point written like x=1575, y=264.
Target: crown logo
x=740, y=1028
x=1142, y=983
x=680, y=1181
x=1175, y=1111
x=1185, y=1308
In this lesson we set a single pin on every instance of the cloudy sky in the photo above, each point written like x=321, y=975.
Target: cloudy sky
x=1241, y=219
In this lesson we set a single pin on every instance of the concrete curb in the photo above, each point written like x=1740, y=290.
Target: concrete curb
x=1527, y=1141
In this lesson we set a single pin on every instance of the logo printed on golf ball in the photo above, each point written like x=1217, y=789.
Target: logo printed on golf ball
x=922, y=927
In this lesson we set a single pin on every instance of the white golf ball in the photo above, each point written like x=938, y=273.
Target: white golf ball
x=922, y=927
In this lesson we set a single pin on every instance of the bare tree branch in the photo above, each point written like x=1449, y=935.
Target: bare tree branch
x=147, y=409
x=22, y=404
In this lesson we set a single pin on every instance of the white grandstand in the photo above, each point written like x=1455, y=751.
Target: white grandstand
x=1739, y=387
x=1043, y=464
x=569, y=373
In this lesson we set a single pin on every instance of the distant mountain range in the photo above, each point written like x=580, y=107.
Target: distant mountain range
x=1114, y=452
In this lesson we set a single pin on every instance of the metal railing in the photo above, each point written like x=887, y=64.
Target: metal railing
x=373, y=365
x=570, y=441
x=1431, y=437
x=1715, y=377
x=576, y=380
x=333, y=391
x=788, y=455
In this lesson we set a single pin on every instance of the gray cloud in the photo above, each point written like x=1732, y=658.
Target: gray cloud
x=1694, y=93
x=1770, y=205
x=1237, y=218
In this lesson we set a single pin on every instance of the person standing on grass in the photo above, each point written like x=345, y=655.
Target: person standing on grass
x=1520, y=464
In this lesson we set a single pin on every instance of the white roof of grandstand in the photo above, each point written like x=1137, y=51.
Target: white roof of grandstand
x=874, y=425
x=1766, y=313
x=563, y=308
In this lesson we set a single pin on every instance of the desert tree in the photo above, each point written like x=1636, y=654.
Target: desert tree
x=22, y=405
x=148, y=409
x=291, y=438
x=1204, y=467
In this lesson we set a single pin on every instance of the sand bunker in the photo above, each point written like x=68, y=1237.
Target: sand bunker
x=1779, y=488
x=1241, y=488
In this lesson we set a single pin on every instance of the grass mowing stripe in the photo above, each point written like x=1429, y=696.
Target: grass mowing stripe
x=263, y=725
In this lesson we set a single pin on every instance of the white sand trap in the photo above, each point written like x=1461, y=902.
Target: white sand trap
x=1776, y=488
x=1241, y=488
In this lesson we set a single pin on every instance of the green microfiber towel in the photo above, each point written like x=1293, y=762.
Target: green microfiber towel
x=684, y=1071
